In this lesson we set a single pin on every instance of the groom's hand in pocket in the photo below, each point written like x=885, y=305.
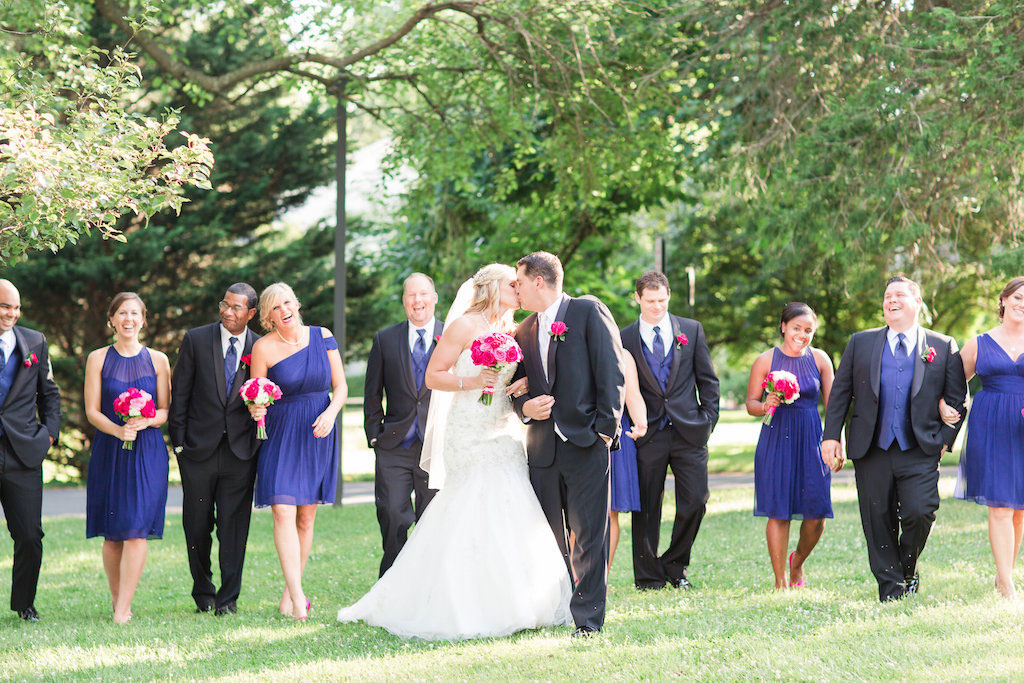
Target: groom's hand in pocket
x=539, y=407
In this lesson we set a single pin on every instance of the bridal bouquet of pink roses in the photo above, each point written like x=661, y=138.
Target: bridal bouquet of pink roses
x=495, y=350
x=260, y=391
x=783, y=384
x=134, y=403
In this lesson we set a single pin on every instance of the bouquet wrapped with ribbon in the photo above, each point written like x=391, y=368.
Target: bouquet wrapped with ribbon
x=260, y=391
x=134, y=403
x=495, y=350
x=784, y=385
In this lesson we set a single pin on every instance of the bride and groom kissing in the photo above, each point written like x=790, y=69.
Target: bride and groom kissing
x=491, y=554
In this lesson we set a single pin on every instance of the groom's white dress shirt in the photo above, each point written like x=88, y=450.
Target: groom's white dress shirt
x=664, y=329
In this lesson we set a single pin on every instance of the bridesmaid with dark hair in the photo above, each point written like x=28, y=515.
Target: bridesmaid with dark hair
x=791, y=480
x=126, y=490
x=992, y=464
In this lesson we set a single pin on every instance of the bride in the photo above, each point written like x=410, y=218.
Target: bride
x=482, y=561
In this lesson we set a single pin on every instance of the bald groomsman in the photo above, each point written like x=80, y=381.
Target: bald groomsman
x=29, y=425
x=396, y=367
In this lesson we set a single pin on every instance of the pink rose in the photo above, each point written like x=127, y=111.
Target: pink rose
x=500, y=355
x=681, y=340
x=251, y=390
x=149, y=410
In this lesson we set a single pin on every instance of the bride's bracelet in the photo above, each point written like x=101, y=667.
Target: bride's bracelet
x=460, y=382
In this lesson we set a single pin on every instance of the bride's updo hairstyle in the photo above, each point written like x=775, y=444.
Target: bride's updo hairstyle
x=269, y=298
x=487, y=288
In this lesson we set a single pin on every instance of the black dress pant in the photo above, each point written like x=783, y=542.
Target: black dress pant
x=217, y=492
x=574, y=496
x=397, y=476
x=896, y=490
x=21, y=494
x=690, y=468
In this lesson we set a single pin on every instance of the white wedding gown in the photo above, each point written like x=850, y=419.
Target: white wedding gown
x=482, y=561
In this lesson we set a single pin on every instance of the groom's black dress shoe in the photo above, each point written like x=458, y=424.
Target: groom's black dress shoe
x=203, y=608
x=229, y=608
x=584, y=632
x=29, y=614
x=682, y=583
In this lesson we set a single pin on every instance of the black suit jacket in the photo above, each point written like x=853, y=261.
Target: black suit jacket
x=691, y=401
x=584, y=377
x=389, y=371
x=199, y=413
x=31, y=411
x=857, y=381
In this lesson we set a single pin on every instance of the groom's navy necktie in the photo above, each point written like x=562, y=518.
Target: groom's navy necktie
x=230, y=366
x=658, y=346
x=419, y=358
x=3, y=358
x=900, y=345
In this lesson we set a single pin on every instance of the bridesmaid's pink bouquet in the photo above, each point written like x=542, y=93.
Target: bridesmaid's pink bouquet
x=260, y=391
x=134, y=403
x=495, y=350
x=783, y=384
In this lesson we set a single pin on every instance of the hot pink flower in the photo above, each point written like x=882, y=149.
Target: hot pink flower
x=246, y=359
x=783, y=384
x=262, y=392
x=681, y=340
x=929, y=355
x=558, y=330
x=134, y=403
x=31, y=360
x=495, y=350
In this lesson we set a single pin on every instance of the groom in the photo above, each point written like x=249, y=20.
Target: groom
x=893, y=377
x=572, y=359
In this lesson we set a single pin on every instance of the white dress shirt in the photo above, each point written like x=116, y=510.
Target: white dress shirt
x=910, y=339
x=8, y=342
x=428, y=337
x=225, y=336
x=664, y=327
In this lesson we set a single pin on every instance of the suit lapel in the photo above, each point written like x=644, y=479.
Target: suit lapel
x=677, y=350
x=405, y=358
x=876, y=360
x=218, y=364
x=919, y=365
x=635, y=346
x=23, y=372
x=532, y=350
x=553, y=344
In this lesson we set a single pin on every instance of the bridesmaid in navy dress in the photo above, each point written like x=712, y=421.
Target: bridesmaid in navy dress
x=992, y=463
x=298, y=463
x=126, y=490
x=791, y=480
x=624, y=481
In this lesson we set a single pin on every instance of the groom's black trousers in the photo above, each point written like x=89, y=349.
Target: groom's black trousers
x=397, y=476
x=573, y=493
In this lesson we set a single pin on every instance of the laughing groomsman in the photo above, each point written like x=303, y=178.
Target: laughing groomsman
x=215, y=441
x=396, y=367
x=680, y=388
x=29, y=424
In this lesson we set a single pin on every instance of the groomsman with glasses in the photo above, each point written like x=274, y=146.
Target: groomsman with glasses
x=29, y=425
x=680, y=388
x=215, y=441
x=396, y=368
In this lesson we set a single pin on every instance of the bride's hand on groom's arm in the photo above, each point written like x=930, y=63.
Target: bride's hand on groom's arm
x=519, y=387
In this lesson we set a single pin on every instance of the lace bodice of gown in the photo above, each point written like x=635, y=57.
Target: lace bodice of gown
x=478, y=436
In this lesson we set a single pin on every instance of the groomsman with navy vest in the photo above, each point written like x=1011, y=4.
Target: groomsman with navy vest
x=892, y=378
x=29, y=425
x=215, y=441
x=396, y=367
x=680, y=388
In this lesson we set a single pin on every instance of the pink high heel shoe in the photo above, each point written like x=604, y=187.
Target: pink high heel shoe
x=309, y=608
x=799, y=584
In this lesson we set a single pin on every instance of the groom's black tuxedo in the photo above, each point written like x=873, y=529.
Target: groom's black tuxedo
x=896, y=486
x=30, y=415
x=397, y=471
x=570, y=475
x=680, y=418
x=215, y=441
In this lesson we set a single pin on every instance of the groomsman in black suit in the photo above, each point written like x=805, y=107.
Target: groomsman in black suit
x=680, y=388
x=215, y=441
x=572, y=359
x=396, y=367
x=29, y=425
x=893, y=378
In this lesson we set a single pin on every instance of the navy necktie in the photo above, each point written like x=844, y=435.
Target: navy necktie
x=3, y=358
x=419, y=358
x=659, y=344
x=900, y=346
x=230, y=365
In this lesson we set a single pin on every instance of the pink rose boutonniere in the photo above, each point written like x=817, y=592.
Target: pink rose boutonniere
x=437, y=337
x=929, y=355
x=557, y=331
x=31, y=360
x=681, y=340
x=246, y=360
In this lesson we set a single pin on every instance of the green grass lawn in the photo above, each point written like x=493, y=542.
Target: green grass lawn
x=731, y=626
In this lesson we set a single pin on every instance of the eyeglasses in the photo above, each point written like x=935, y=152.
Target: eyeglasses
x=235, y=308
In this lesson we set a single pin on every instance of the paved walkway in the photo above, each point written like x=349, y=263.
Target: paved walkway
x=65, y=502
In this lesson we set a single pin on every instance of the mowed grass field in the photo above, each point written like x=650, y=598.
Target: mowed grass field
x=732, y=626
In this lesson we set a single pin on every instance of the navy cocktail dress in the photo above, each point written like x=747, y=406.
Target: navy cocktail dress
x=624, y=481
